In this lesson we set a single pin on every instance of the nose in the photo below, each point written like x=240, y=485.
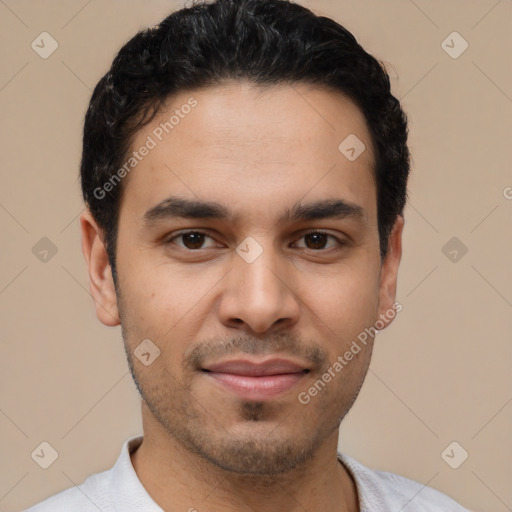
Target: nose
x=259, y=296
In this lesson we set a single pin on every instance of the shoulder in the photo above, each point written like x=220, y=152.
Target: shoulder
x=380, y=491
x=104, y=490
x=90, y=496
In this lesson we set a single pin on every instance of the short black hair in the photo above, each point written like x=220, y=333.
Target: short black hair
x=267, y=42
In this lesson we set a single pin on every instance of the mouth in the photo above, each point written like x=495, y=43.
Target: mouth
x=256, y=381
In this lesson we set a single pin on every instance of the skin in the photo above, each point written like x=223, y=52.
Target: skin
x=257, y=151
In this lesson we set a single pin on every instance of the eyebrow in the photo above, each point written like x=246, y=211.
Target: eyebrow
x=179, y=207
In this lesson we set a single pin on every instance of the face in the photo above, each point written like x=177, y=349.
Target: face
x=278, y=274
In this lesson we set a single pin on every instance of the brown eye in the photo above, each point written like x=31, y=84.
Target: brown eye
x=192, y=240
x=317, y=240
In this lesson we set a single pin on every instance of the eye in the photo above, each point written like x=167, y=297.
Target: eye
x=192, y=240
x=317, y=240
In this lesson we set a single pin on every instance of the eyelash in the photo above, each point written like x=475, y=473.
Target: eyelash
x=169, y=241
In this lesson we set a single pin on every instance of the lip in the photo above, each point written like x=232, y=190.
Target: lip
x=274, y=366
x=256, y=381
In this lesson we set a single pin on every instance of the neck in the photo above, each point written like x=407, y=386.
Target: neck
x=178, y=479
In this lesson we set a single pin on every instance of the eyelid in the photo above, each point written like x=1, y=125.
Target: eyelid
x=169, y=240
x=340, y=241
x=301, y=234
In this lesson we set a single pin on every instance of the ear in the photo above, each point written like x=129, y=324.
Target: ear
x=389, y=274
x=101, y=282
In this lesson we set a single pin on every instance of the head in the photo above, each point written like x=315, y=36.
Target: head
x=238, y=121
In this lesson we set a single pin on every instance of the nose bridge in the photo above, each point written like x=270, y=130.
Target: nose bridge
x=257, y=291
x=257, y=270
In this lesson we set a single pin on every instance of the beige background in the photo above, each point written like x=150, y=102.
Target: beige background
x=440, y=373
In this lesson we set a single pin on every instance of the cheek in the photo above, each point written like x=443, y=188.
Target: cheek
x=150, y=287
x=346, y=300
x=164, y=304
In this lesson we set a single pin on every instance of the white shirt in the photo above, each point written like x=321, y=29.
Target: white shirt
x=120, y=490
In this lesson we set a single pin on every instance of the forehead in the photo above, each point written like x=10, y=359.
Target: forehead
x=253, y=147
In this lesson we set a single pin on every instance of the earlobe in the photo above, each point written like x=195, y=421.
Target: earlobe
x=389, y=273
x=101, y=283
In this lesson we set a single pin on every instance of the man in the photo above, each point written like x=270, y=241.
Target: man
x=245, y=171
